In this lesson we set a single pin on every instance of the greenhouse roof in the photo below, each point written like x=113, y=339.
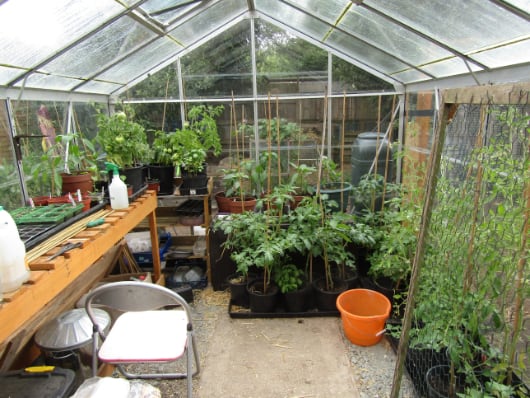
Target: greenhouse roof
x=100, y=48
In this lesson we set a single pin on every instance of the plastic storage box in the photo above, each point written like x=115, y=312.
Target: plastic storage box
x=145, y=257
x=56, y=383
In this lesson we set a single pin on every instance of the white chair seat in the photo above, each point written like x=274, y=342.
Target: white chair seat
x=127, y=343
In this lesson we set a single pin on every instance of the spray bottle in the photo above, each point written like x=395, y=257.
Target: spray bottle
x=117, y=189
x=13, y=268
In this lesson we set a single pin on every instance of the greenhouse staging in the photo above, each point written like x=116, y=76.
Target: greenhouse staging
x=265, y=198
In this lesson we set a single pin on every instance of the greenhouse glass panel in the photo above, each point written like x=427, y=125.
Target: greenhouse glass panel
x=137, y=63
x=7, y=74
x=466, y=26
x=10, y=192
x=522, y=4
x=286, y=64
x=207, y=21
x=28, y=38
x=372, y=57
x=375, y=30
x=162, y=84
x=107, y=45
x=390, y=37
x=348, y=78
x=98, y=87
x=510, y=54
x=51, y=82
x=302, y=22
x=410, y=76
x=221, y=66
x=449, y=67
x=42, y=121
x=165, y=11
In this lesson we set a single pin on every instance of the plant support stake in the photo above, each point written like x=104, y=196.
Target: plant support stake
x=434, y=168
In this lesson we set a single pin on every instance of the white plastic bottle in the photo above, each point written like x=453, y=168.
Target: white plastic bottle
x=13, y=268
x=117, y=189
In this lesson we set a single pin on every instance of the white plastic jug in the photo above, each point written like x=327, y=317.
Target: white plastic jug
x=13, y=268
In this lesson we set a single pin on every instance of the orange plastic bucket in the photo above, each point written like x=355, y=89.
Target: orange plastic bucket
x=363, y=313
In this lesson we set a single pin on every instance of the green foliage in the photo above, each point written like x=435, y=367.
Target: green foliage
x=79, y=153
x=330, y=171
x=472, y=271
x=289, y=278
x=300, y=179
x=124, y=141
x=273, y=127
x=318, y=232
x=395, y=240
x=188, y=147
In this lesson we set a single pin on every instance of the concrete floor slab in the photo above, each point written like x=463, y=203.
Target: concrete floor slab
x=278, y=357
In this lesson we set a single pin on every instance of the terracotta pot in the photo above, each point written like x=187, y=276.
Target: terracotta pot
x=238, y=206
x=223, y=203
x=40, y=200
x=73, y=182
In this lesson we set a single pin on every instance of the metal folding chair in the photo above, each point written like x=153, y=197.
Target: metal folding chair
x=154, y=326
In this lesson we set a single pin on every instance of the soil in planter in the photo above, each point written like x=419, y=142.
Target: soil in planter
x=260, y=301
x=326, y=300
x=238, y=290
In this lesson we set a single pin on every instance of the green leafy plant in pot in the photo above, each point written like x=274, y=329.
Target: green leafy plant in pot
x=125, y=144
x=68, y=165
x=319, y=233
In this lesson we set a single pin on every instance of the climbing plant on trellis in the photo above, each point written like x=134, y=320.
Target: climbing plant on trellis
x=468, y=309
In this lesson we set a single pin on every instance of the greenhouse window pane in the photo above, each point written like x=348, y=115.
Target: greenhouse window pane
x=164, y=83
x=348, y=78
x=390, y=37
x=304, y=23
x=136, y=64
x=511, y=54
x=221, y=66
x=209, y=20
x=287, y=64
x=165, y=11
x=410, y=76
x=371, y=56
x=50, y=82
x=33, y=30
x=452, y=66
x=98, y=50
x=375, y=30
x=8, y=74
x=472, y=25
x=98, y=87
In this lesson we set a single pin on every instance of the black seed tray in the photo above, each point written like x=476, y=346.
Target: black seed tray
x=190, y=208
x=242, y=312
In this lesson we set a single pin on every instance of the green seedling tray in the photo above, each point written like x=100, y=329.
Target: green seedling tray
x=51, y=214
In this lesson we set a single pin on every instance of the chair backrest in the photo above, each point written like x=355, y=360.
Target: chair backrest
x=134, y=296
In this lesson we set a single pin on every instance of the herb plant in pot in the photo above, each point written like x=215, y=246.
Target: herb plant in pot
x=163, y=160
x=125, y=144
x=198, y=137
x=296, y=289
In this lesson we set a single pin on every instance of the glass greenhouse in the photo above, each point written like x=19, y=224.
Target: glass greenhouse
x=446, y=84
